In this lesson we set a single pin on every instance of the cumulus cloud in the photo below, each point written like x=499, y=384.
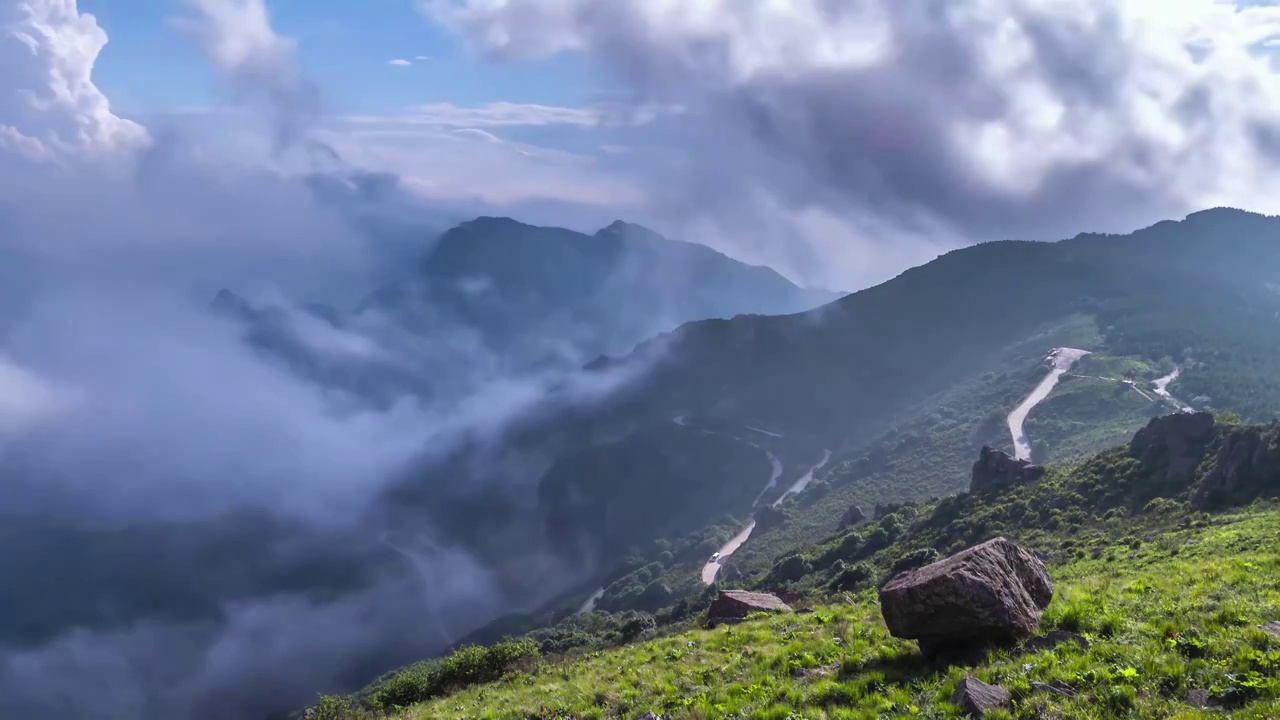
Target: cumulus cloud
x=48, y=102
x=967, y=120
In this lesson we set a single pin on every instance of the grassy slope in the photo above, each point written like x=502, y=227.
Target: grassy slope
x=1141, y=607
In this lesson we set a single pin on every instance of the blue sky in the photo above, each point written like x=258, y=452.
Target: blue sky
x=346, y=45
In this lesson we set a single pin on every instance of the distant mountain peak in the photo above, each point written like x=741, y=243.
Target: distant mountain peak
x=1222, y=212
x=622, y=228
x=493, y=222
x=230, y=304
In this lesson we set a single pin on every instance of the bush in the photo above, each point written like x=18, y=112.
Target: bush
x=916, y=559
x=637, y=626
x=851, y=578
x=466, y=666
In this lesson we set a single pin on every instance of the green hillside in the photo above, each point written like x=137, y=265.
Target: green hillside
x=1164, y=557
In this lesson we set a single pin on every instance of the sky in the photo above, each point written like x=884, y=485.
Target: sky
x=839, y=143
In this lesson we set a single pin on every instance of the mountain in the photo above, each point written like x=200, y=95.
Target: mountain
x=542, y=292
x=901, y=383
x=1164, y=603
x=880, y=398
x=494, y=297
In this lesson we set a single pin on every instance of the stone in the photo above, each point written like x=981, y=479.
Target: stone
x=1247, y=462
x=1272, y=627
x=976, y=697
x=1057, y=687
x=1173, y=436
x=852, y=516
x=1198, y=698
x=734, y=605
x=1052, y=640
x=995, y=469
x=990, y=593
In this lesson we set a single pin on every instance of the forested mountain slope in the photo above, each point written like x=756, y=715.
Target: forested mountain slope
x=1166, y=604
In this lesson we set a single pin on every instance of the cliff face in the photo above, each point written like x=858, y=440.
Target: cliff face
x=995, y=469
x=1246, y=465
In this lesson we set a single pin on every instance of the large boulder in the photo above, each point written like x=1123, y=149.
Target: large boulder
x=990, y=593
x=852, y=516
x=1174, y=437
x=995, y=469
x=734, y=605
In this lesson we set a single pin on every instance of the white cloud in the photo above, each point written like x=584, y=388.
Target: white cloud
x=507, y=114
x=258, y=65
x=973, y=119
x=401, y=62
x=49, y=105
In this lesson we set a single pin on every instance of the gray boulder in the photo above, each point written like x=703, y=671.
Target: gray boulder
x=990, y=593
x=976, y=697
x=852, y=516
x=1173, y=437
x=734, y=605
x=995, y=469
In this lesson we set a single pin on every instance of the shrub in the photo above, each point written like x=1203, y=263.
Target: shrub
x=637, y=626
x=466, y=666
x=851, y=578
x=916, y=559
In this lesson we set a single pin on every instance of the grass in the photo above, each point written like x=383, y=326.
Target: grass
x=1165, y=616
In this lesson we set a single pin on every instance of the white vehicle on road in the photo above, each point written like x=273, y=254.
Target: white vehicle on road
x=715, y=557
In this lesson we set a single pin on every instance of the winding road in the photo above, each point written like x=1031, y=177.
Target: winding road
x=1063, y=359
x=1162, y=389
x=712, y=567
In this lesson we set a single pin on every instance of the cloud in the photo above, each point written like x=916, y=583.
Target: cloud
x=399, y=61
x=135, y=415
x=507, y=114
x=257, y=64
x=48, y=103
x=981, y=119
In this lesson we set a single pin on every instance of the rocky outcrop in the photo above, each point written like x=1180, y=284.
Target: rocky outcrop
x=733, y=605
x=1175, y=437
x=1247, y=465
x=1053, y=639
x=852, y=516
x=976, y=697
x=990, y=593
x=1271, y=627
x=995, y=469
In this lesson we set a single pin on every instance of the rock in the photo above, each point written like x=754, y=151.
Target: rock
x=1272, y=627
x=1198, y=698
x=995, y=469
x=852, y=516
x=1052, y=640
x=1247, y=464
x=734, y=605
x=976, y=697
x=1173, y=436
x=1056, y=687
x=990, y=593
